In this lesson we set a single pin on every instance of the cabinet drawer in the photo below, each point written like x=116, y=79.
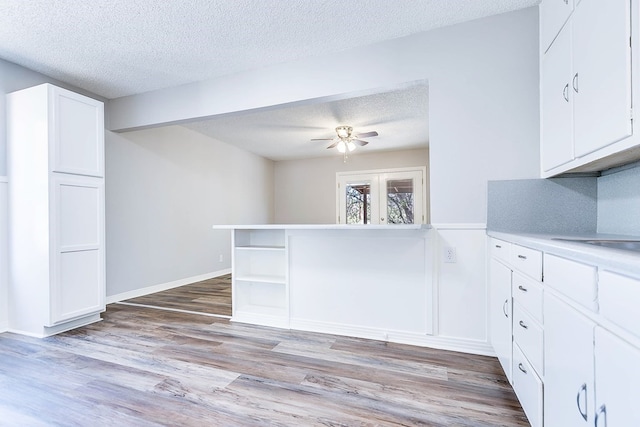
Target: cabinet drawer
x=527, y=261
x=528, y=293
x=500, y=249
x=528, y=387
x=528, y=335
x=618, y=299
x=575, y=280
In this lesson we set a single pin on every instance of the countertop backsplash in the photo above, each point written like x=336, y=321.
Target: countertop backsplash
x=608, y=204
x=619, y=201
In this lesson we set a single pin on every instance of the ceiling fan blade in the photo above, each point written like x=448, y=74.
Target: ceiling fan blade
x=360, y=142
x=367, y=134
x=333, y=145
x=322, y=139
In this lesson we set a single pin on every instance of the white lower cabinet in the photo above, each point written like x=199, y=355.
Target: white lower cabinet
x=568, y=365
x=500, y=313
x=528, y=387
x=617, y=366
x=575, y=339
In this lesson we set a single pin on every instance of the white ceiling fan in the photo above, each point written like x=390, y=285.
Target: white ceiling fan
x=346, y=140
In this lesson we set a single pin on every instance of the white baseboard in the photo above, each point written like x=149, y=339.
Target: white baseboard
x=411, y=338
x=165, y=286
x=53, y=330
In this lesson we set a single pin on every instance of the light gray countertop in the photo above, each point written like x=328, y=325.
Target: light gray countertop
x=621, y=261
x=323, y=227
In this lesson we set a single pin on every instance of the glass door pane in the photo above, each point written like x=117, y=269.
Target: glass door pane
x=401, y=198
x=400, y=201
x=358, y=203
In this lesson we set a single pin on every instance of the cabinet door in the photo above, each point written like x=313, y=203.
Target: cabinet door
x=500, y=313
x=568, y=370
x=553, y=15
x=601, y=80
x=617, y=381
x=77, y=240
x=556, y=103
x=78, y=133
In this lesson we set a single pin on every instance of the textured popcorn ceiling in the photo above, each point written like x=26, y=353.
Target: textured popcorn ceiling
x=400, y=117
x=115, y=48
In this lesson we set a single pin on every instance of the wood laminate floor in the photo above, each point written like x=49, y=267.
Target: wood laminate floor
x=211, y=296
x=148, y=367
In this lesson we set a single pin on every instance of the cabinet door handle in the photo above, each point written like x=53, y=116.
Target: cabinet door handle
x=574, y=83
x=565, y=92
x=522, y=368
x=498, y=246
x=522, y=257
x=601, y=412
x=523, y=325
x=522, y=288
x=582, y=391
x=504, y=308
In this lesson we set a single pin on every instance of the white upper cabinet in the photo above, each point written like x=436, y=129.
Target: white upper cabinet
x=77, y=130
x=553, y=15
x=601, y=79
x=557, y=103
x=585, y=86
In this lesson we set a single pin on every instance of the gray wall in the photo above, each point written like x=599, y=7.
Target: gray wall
x=619, y=201
x=165, y=188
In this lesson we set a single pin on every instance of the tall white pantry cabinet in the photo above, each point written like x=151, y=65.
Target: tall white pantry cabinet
x=55, y=150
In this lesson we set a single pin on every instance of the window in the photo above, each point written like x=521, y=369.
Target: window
x=381, y=197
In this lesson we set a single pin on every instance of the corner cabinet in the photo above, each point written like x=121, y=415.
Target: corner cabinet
x=259, y=279
x=585, y=85
x=56, y=210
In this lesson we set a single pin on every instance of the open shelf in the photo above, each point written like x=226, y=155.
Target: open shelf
x=260, y=248
x=261, y=278
x=260, y=291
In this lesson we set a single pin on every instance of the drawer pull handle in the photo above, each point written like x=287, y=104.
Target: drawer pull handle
x=498, y=246
x=523, y=289
x=522, y=368
x=582, y=391
x=522, y=257
x=522, y=324
x=602, y=411
x=504, y=308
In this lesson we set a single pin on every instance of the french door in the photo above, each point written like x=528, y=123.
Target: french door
x=393, y=197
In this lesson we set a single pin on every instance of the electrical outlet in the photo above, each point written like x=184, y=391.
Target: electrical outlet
x=449, y=254
x=221, y=258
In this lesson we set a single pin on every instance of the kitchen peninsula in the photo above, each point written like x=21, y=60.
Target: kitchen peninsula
x=371, y=281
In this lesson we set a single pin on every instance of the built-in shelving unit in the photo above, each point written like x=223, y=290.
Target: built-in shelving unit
x=260, y=282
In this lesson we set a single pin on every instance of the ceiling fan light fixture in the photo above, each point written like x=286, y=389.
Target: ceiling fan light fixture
x=342, y=146
x=351, y=146
x=344, y=131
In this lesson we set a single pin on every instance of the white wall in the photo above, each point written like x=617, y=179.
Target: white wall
x=165, y=188
x=305, y=190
